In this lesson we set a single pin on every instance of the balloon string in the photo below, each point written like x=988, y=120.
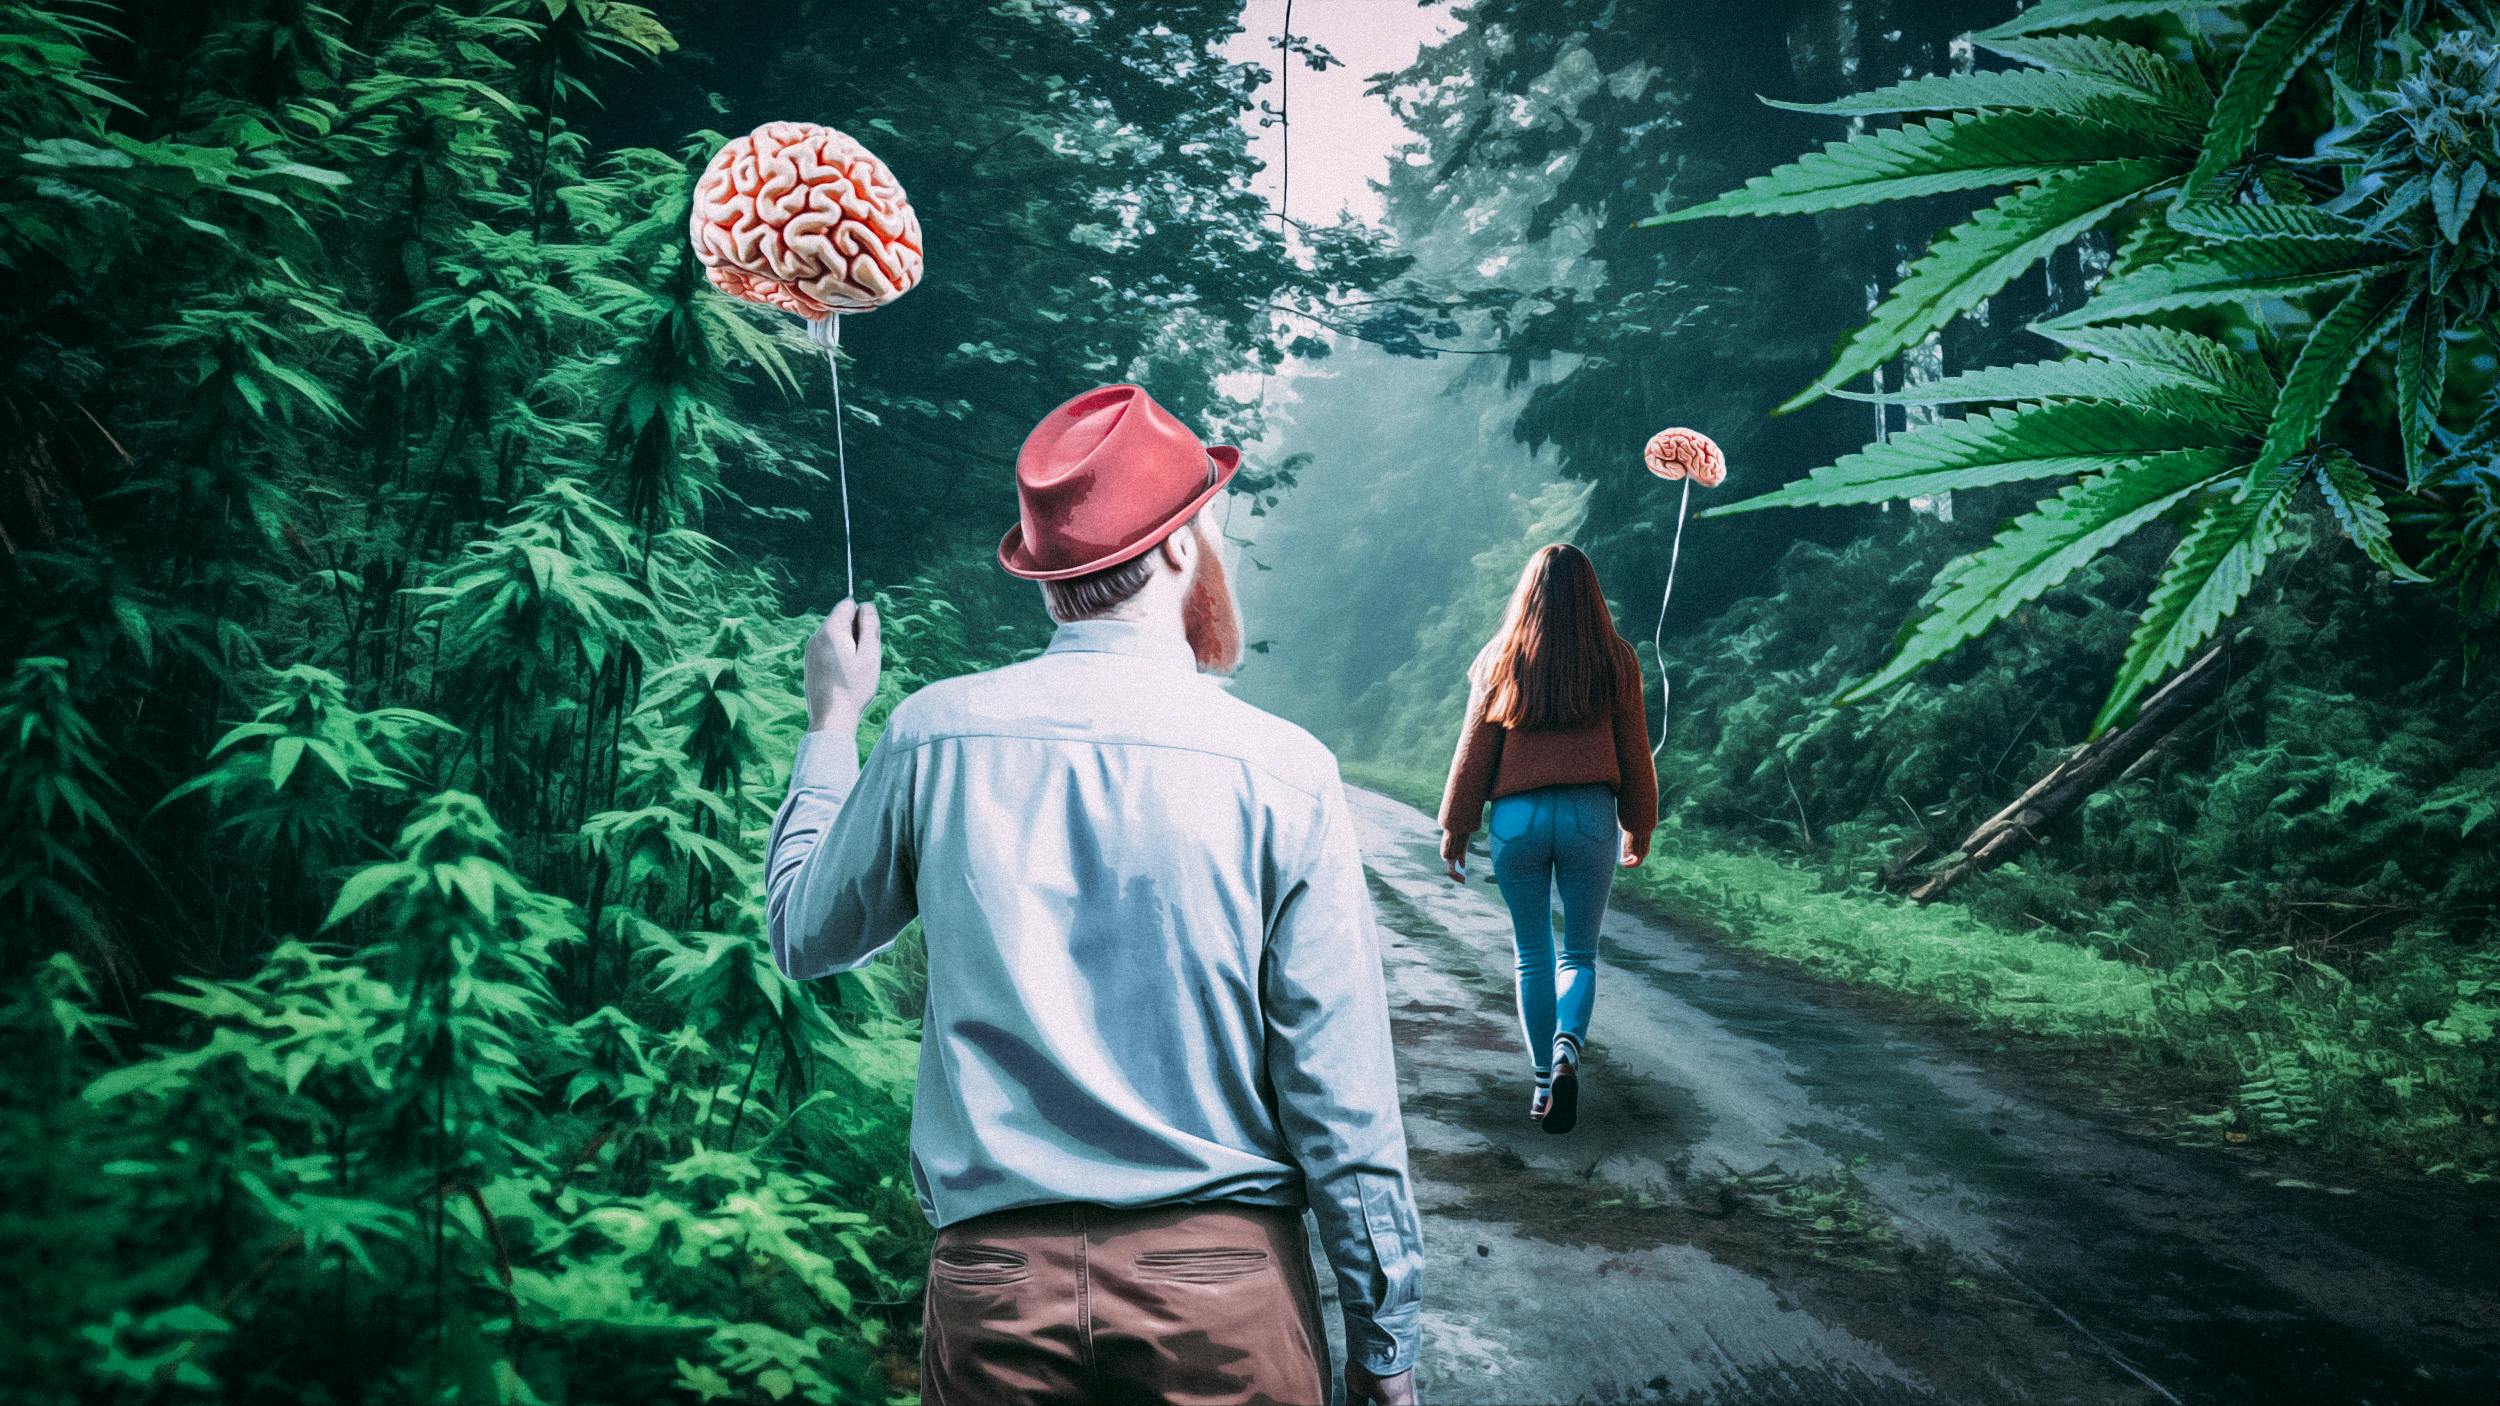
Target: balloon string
x=1658, y=638
x=841, y=461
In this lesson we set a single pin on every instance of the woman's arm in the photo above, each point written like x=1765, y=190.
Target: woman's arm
x=1636, y=802
x=1472, y=769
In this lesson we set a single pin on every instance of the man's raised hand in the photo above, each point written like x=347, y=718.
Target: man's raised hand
x=842, y=663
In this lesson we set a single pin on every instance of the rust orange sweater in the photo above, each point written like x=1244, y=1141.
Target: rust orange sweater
x=1494, y=761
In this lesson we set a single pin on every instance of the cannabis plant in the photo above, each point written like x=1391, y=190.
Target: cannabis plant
x=406, y=556
x=2170, y=407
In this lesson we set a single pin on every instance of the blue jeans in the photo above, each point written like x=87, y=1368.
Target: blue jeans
x=1561, y=837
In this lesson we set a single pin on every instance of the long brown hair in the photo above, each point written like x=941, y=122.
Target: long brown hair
x=1555, y=661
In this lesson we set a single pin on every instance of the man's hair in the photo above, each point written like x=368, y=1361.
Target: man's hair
x=1100, y=592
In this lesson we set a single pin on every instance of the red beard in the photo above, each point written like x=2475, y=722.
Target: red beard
x=1209, y=616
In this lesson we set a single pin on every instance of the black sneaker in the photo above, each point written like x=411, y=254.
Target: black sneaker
x=1563, y=1114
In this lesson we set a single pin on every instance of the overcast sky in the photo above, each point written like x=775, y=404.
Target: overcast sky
x=1342, y=136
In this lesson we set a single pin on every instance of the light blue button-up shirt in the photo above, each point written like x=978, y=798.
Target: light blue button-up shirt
x=1153, y=976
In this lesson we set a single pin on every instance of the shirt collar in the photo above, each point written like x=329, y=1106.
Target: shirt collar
x=1129, y=637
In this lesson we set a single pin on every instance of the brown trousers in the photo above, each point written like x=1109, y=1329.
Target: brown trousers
x=1193, y=1305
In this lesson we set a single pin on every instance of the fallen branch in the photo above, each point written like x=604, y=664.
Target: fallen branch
x=2083, y=771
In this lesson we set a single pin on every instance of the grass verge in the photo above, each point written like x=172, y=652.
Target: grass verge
x=2397, y=1066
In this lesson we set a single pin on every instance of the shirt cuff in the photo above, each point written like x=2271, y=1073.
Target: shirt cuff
x=1384, y=1345
x=827, y=761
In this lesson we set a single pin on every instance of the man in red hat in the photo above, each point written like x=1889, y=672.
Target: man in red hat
x=1156, y=1026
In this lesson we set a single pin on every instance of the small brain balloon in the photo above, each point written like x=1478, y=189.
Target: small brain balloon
x=802, y=218
x=1680, y=453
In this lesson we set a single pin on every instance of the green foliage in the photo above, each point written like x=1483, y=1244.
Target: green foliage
x=398, y=1127
x=408, y=555
x=1932, y=157
x=1975, y=261
x=2384, y=1051
x=300, y=784
x=2050, y=439
x=2038, y=551
x=2094, y=129
x=2376, y=218
x=58, y=800
x=2275, y=50
x=2067, y=14
x=2282, y=916
x=2316, y=820
x=2253, y=264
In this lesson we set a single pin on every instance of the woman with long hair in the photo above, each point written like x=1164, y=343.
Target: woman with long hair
x=1557, y=739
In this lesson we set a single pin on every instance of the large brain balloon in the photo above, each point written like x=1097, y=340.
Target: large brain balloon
x=805, y=219
x=1679, y=452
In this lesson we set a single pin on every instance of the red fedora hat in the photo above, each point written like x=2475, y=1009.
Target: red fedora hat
x=1102, y=479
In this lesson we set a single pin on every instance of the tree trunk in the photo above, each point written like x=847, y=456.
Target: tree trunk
x=2084, y=771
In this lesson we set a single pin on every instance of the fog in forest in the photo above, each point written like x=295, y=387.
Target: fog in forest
x=1368, y=589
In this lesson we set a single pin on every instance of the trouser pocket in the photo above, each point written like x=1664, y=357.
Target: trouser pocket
x=977, y=1264
x=1592, y=813
x=1209, y=1264
x=1206, y=1308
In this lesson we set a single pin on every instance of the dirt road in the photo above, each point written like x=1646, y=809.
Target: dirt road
x=1774, y=1196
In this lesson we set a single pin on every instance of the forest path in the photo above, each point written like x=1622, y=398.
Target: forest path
x=2043, y=1255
